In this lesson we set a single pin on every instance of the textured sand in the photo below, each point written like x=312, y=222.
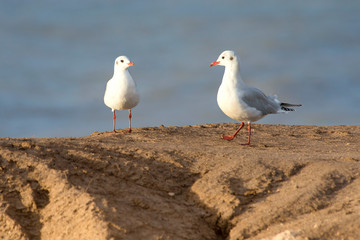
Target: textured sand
x=294, y=182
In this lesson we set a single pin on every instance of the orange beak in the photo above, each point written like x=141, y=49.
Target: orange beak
x=131, y=64
x=214, y=63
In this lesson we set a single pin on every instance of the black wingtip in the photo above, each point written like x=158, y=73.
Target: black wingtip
x=287, y=109
x=290, y=105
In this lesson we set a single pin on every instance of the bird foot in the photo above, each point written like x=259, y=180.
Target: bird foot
x=227, y=137
x=129, y=131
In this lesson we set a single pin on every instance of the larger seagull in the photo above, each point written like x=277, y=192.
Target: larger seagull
x=121, y=93
x=241, y=102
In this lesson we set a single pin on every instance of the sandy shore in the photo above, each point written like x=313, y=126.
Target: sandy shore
x=302, y=182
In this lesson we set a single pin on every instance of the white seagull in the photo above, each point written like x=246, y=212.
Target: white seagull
x=121, y=93
x=241, y=102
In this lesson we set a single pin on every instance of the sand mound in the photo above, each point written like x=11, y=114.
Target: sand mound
x=294, y=182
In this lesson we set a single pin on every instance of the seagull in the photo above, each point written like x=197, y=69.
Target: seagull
x=241, y=102
x=121, y=93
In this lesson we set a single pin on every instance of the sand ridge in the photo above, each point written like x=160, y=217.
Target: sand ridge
x=183, y=183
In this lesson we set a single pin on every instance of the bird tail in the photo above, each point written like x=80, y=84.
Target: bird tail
x=286, y=106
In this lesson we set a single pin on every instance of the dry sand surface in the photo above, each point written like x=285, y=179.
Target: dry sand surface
x=294, y=182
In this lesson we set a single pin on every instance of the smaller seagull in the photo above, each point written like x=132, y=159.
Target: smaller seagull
x=121, y=93
x=242, y=102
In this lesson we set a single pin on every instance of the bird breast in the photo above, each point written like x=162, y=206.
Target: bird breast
x=229, y=101
x=121, y=93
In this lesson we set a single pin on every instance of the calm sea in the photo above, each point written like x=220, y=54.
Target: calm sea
x=56, y=57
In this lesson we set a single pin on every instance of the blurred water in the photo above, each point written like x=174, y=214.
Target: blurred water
x=56, y=57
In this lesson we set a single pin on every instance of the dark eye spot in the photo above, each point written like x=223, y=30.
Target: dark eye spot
x=231, y=58
x=223, y=57
x=122, y=61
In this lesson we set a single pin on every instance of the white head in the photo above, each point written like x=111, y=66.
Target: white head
x=123, y=62
x=226, y=58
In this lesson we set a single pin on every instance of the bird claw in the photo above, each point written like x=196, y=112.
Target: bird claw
x=227, y=137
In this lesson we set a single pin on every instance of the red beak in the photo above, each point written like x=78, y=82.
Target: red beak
x=131, y=64
x=214, y=63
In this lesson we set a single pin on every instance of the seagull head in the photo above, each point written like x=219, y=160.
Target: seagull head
x=226, y=58
x=123, y=62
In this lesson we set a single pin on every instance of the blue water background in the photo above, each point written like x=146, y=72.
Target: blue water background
x=56, y=57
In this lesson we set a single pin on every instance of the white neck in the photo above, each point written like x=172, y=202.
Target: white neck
x=119, y=71
x=232, y=75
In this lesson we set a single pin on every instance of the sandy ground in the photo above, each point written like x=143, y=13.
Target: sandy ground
x=294, y=182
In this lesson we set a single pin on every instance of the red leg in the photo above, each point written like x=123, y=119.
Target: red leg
x=229, y=138
x=129, y=121
x=114, y=117
x=249, y=134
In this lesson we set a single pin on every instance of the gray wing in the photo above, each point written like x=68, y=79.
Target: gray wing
x=255, y=98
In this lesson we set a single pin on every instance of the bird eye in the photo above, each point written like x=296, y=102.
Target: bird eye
x=223, y=57
x=122, y=61
x=231, y=58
